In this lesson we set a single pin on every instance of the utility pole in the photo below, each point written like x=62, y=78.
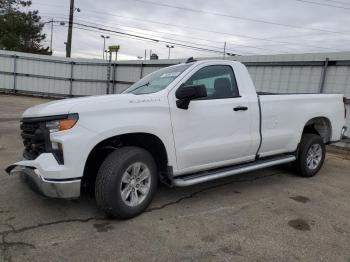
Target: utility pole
x=51, y=35
x=70, y=29
x=169, y=46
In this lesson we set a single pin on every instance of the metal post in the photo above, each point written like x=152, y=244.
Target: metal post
x=109, y=72
x=114, y=76
x=141, y=71
x=104, y=47
x=71, y=78
x=51, y=35
x=224, y=49
x=323, y=76
x=15, y=73
x=169, y=47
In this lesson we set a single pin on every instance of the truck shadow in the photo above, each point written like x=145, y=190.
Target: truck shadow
x=165, y=197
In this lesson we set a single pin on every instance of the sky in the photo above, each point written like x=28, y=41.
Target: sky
x=248, y=27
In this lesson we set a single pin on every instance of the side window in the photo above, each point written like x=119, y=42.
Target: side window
x=219, y=80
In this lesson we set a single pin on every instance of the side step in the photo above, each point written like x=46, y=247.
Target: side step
x=205, y=176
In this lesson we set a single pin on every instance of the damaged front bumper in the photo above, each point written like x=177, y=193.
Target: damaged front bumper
x=55, y=188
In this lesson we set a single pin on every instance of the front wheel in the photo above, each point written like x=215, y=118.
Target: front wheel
x=126, y=182
x=310, y=155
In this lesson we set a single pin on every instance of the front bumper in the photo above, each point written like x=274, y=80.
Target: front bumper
x=55, y=188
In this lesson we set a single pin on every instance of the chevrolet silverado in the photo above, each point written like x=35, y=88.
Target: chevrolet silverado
x=181, y=125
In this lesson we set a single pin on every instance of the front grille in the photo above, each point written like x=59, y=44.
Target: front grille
x=35, y=139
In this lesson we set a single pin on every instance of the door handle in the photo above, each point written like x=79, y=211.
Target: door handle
x=240, y=108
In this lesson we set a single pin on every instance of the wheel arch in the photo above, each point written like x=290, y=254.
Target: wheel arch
x=150, y=142
x=321, y=126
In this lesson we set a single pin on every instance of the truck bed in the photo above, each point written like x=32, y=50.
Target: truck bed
x=283, y=117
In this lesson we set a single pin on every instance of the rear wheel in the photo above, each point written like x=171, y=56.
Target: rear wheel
x=310, y=155
x=126, y=182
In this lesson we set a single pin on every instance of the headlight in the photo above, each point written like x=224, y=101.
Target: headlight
x=62, y=124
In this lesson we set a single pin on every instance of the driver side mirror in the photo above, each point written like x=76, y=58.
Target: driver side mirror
x=187, y=93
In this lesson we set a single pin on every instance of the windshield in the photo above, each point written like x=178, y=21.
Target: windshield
x=157, y=80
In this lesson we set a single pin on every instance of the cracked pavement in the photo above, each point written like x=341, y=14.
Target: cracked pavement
x=269, y=215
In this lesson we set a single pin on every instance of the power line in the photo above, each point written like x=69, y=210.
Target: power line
x=188, y=47
x=103, y=30
x=243, y=36
x=162, y=32
x=226, y=15
x=172, y=39
x=118, y=32
x=318, y=3
x=304, y=35
x=223, y=33
x=232, y=16
x=210, y=31
x=339, y=2
x=111, y=33
x=147, y=38
x=216, y=32
x=142, y=38
x=192, y=37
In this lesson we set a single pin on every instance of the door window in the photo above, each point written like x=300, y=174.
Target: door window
x=219, y=81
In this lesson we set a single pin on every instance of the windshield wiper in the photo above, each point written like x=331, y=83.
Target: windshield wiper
x=146, y=84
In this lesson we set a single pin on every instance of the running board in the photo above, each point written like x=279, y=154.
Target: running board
x=206, y=176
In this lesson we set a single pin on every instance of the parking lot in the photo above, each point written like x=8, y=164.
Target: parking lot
x=269, y=215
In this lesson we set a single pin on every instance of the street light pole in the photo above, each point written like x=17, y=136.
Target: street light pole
x=51, y=35
x=104, y=45
x=169, y=46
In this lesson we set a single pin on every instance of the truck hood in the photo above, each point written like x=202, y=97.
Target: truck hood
x=65, y=106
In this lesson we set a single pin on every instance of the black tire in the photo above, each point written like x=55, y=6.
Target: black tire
x=109, y=178
x=301, y=164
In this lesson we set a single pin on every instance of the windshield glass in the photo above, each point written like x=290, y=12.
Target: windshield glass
x=157, y=80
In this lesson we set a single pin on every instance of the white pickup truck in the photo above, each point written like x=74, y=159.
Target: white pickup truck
x=182, y=125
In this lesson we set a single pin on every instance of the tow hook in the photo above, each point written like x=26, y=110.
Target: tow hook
x=343, y=136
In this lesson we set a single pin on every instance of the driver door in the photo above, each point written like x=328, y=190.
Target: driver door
x=211, y=133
